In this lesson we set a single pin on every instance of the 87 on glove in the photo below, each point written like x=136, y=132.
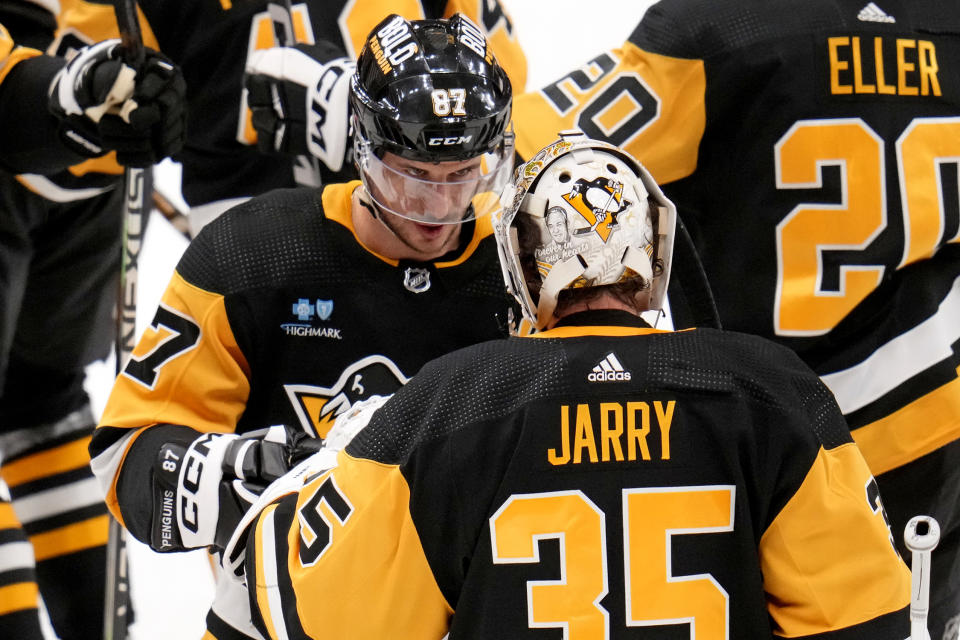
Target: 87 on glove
x=202, y=490
x=187, y=493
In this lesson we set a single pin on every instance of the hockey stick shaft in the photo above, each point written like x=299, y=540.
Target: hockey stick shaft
x=694, y=283
x=920, y=536
x=137, y=190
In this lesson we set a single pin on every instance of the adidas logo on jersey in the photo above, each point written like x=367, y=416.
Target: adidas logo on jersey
x=609, y=370
x=873, y=13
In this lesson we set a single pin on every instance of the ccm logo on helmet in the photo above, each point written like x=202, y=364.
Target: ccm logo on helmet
x=448, y=141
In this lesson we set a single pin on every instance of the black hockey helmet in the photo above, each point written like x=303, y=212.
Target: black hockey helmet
x=431, y=91
x=406, y=93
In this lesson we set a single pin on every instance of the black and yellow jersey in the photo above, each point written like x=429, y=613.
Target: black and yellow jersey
x=211, y=42
x=11, y=54
x=30, y=140
x=811, y=149
x=278, y=315
x=602, y=479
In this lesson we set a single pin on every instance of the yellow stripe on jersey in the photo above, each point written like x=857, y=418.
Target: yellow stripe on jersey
x=678, y=86
x=95, y=21
x=482, y=229
x=575, y=332
x=106, y=163
x=11, y=55
x=924, y=425
x=337, y=200
x=8, y=519
x=826, y=538
x=375, y=544
x=6, y=42
x=17, y=597
x=66, y=457
x=71, y=538
x=219, y=374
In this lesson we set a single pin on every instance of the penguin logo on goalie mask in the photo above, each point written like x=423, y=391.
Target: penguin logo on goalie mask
x=599, y=201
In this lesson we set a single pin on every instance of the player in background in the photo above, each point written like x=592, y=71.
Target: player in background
x=213, y=42
x=293, y=306
x=812, y=152
x=59, y=262
x=596, y=477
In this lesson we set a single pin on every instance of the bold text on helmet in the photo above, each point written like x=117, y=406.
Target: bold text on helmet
x=393, y=44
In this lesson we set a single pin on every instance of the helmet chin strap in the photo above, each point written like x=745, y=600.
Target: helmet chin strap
x=371, y=205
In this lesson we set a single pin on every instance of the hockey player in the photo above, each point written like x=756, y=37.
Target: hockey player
x=213, y=43
x=812, y=152
x=598, y=477
x=58, y=261
x=291, y=307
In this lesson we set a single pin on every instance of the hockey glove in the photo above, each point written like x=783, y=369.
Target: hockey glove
x=203, y=490
x=299, y=97
x=105, y=105
x=309, y=461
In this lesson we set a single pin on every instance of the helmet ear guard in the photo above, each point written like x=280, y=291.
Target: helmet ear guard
x=580, y=214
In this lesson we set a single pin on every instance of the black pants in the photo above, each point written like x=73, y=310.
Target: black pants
x=58, y=273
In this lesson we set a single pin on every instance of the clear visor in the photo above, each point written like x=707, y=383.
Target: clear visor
x=437, y=192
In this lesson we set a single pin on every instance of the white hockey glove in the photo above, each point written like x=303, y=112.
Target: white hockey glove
x=104, y=105
x=299, y=97
x=203, y=490
x=345, y=427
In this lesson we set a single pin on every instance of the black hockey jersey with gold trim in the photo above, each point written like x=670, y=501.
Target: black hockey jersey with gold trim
x=811, y=148
x=608, y=481
x=211, y=42
x=278, y=315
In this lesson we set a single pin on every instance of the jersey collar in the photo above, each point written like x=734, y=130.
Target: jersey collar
x=599, y=322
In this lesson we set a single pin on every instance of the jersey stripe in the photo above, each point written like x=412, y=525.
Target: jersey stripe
x=68, y=457
x=76, y=537
x=915, y=430
x=898, y=360
x=274, y=536
x=16, y=597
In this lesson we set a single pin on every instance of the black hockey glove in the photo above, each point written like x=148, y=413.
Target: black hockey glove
x=318, y=459
x=201, y=491
x=299, y=97
x=105, y=105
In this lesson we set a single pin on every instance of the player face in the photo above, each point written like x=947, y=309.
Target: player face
x=441, y=190
x=437, y=192
x=557, y=226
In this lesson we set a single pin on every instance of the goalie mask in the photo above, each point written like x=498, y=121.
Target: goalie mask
x=582, y=213
x=430, y=91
